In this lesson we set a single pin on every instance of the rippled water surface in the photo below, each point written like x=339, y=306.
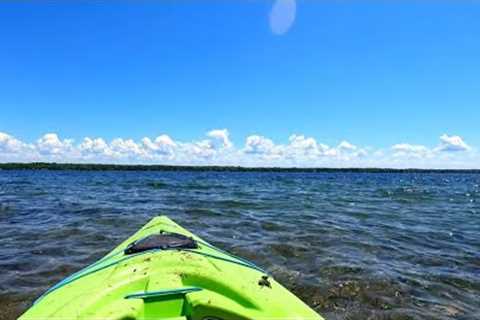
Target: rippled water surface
x=353, y=246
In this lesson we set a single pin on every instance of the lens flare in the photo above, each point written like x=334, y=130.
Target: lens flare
x=282, y=16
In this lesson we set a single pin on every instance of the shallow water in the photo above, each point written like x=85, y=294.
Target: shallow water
x=351, y=245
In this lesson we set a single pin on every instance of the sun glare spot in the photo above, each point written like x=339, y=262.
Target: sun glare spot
x=282, y=16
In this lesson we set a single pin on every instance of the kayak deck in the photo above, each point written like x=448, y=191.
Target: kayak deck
x=197, y=284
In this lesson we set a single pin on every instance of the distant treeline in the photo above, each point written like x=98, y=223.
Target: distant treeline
x=129, y=167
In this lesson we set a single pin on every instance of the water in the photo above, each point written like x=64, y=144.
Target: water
x=351, y=245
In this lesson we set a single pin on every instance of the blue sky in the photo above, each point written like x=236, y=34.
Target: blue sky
x=375, y=74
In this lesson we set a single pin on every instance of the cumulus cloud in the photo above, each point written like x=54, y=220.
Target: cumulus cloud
x=256, y=144
x=345, y=145
x=126, y=148
x=447, y=144
x=452, y=143
x=222, y=136
x=203, y=149
x=95, y=146
x=162, y=145
x=301, y=151
x=406, y=149
x=50, y=144
x=9, y=144
x=347, y=152
x=305, y=145
x=282, y=16
x=217, y=149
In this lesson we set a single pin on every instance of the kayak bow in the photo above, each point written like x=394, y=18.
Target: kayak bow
x=165, y=272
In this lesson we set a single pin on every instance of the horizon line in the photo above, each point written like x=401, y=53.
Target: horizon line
x=57, y=166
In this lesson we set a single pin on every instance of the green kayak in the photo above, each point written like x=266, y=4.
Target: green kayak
x=165, y=272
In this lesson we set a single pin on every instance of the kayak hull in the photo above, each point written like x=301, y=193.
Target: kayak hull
x=196, y=284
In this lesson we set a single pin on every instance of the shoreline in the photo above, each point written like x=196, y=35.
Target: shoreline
x=154, y=167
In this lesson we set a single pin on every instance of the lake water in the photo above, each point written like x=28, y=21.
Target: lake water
x=351, y=245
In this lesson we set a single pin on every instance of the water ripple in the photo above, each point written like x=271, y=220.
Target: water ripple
x=351, y=245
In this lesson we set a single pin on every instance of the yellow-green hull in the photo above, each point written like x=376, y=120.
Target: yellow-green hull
x=197, y=284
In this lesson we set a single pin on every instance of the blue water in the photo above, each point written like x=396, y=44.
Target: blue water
x=351, y=245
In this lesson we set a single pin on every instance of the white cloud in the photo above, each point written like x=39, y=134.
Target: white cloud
x=9, y=144
x=301, y=151
x=331, y=152
x=406, y=149
x=201, y=149
x=256, y=144
x=302, y=144
x=221, y=135
x=165, y=141
x=126, y=148
x=218, y=149
x=345, y=145
x=50, y=144
x=95, y=146
x=447, y=144
x=361, y=153
x=282, y=16
x=347, y=152
x=162, y=145
x=452, y=143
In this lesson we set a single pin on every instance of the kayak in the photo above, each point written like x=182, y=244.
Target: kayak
x=165, y=272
